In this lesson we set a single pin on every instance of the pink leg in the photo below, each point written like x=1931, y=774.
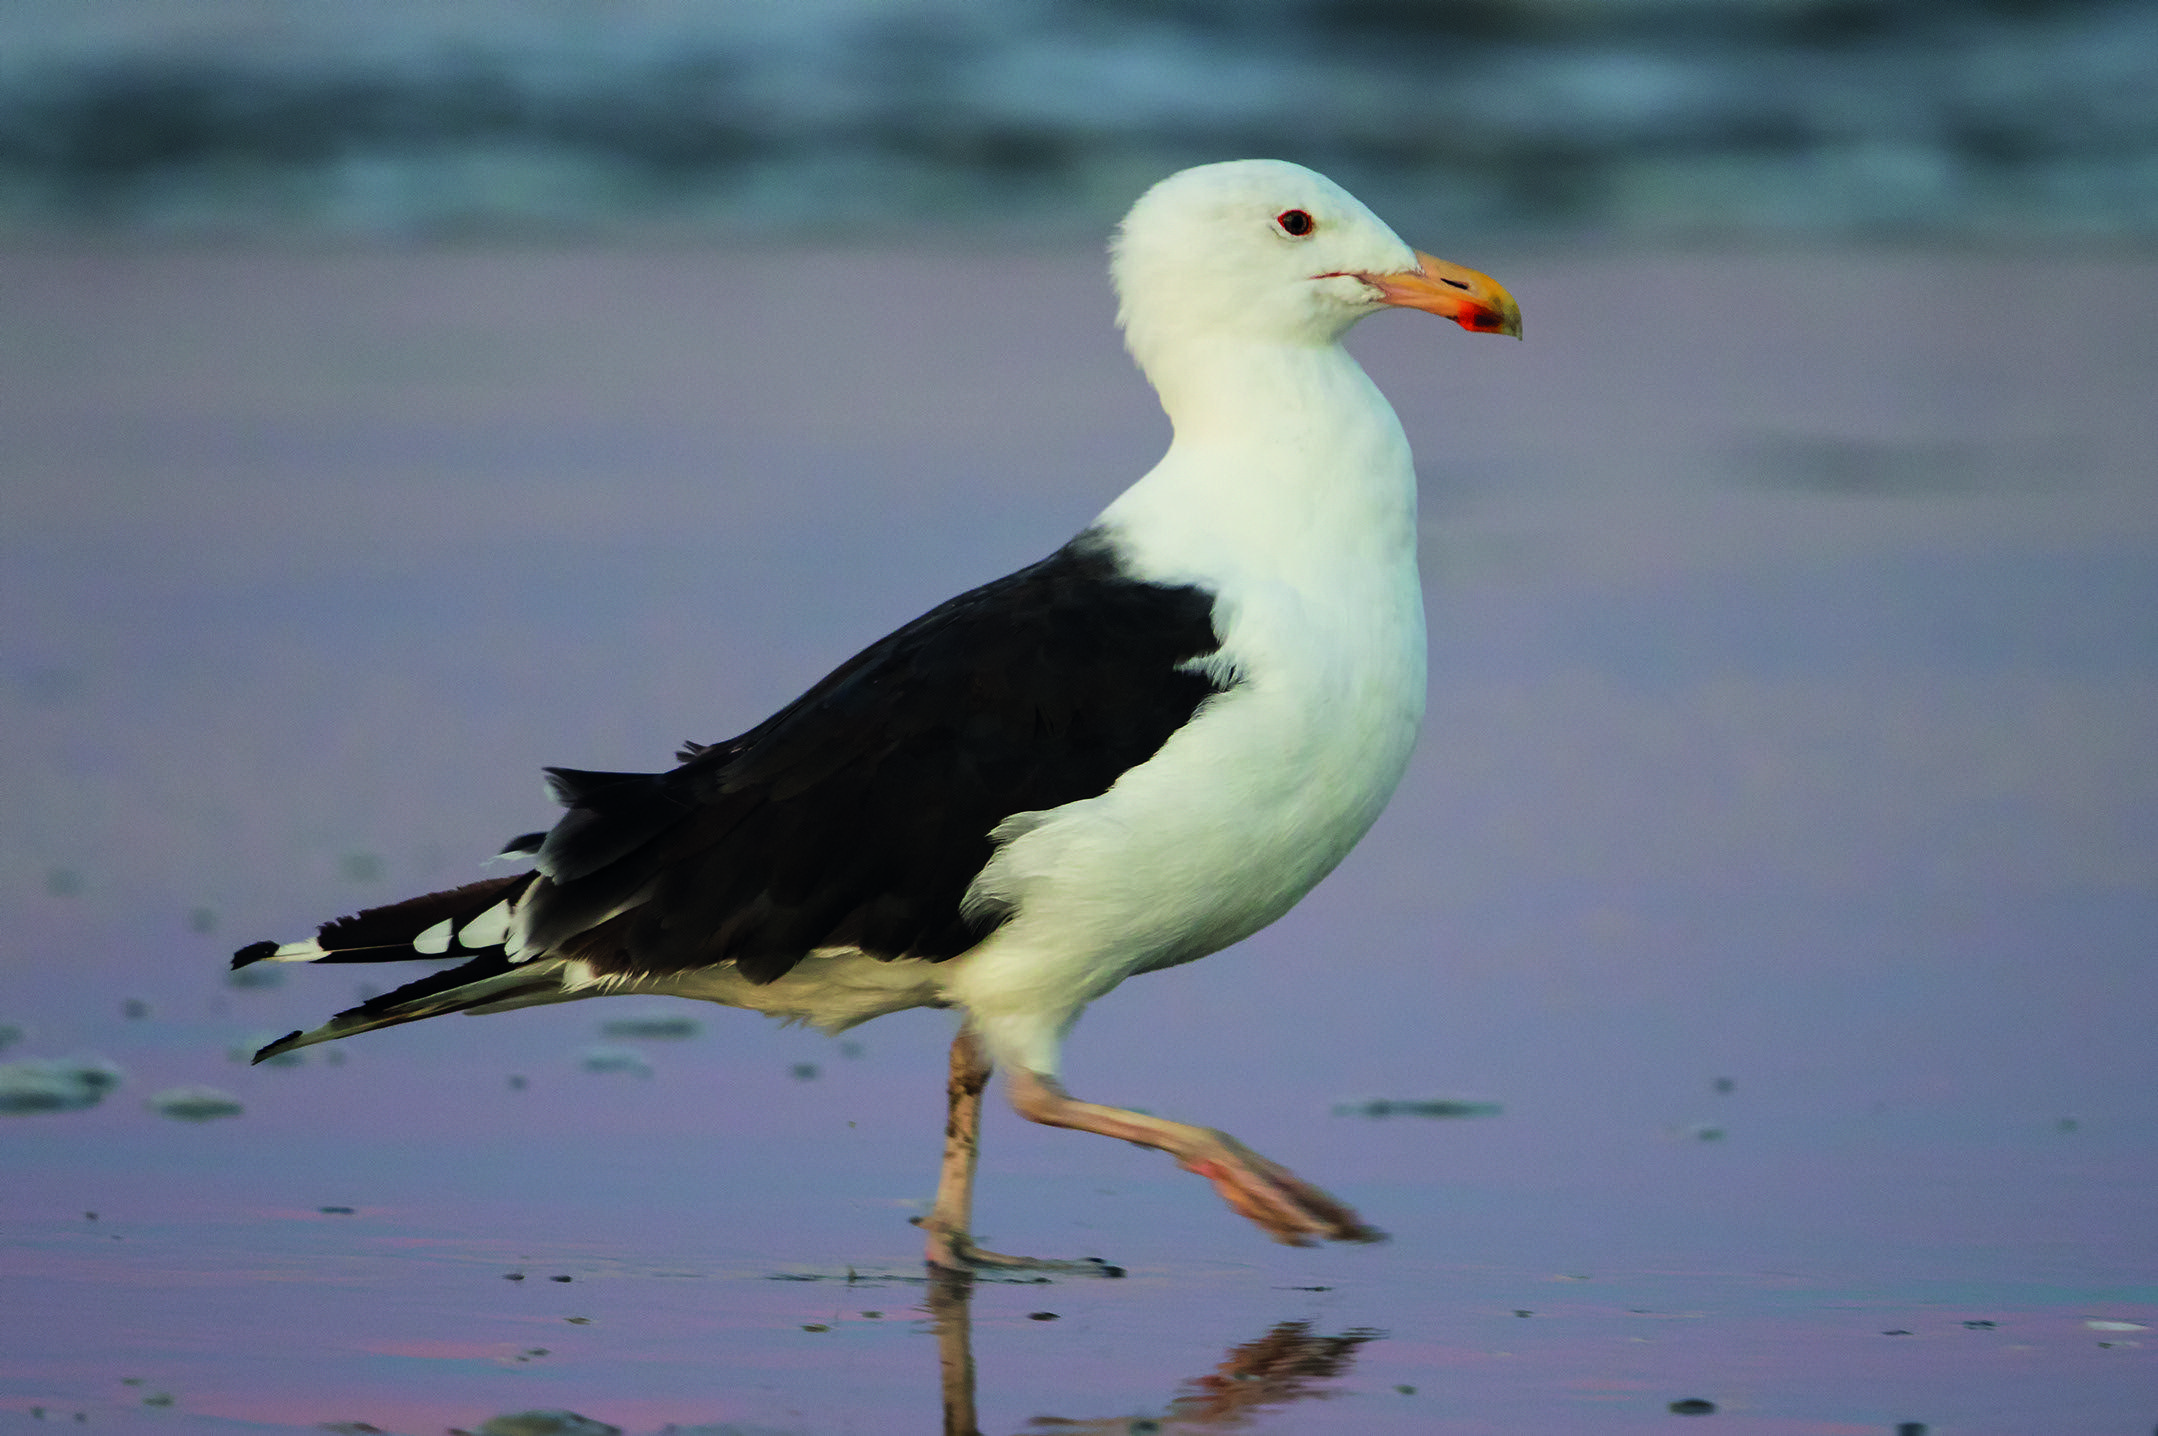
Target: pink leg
x=951, y=1219
x=1284, y=1205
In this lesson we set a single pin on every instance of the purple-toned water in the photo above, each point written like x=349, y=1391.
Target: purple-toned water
x=1781, y=856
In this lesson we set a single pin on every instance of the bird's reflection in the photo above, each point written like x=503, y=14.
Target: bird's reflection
x=1290, y=1362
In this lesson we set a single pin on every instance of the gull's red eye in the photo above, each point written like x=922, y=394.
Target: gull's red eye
x=1296, y=222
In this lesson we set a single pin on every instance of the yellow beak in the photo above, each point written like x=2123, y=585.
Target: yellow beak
x=1474, y=301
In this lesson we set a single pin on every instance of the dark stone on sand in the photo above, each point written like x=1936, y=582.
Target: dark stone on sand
x=614, y=1059
x=547, y=1423
x=59, y=1084
x=1693, y=1406
x=1043, y=1316
x=194, y=1104
x=666, y=1028
x=1417, y=1107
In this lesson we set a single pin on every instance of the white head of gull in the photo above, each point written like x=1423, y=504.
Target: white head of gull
x=1129, y=755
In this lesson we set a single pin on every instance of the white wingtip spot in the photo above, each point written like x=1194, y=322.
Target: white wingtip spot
x=308, y=951
x=488, y=928
x=435, y=940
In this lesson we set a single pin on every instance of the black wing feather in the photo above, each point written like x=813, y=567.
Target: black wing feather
x=860, y=813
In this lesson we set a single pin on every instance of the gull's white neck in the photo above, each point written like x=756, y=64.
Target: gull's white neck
x=1288, y=465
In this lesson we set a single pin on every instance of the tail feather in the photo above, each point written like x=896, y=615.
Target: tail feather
x=490, y=982
x=610, y=814
x=461, y=922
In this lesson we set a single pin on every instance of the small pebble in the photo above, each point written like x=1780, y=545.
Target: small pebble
x=1693, y=1406
x=1978, y=1326
x=335, y=1211
x=578, y=1320
x=1910, y=1428
x=560, y=1278
x=815, y=1326
x=1042, y=1316
x=513, y=1276
x=1406, y=1390
x=803, y=1071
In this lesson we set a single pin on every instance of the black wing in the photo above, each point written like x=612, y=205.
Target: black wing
x=859, y=814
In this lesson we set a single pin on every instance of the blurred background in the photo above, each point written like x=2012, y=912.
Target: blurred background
x=1563, y=119
x=399, y=395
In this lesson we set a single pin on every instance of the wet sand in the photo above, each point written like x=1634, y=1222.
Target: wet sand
x=1779, y=858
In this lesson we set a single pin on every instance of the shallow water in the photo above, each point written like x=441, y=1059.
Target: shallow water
x=1780, y=858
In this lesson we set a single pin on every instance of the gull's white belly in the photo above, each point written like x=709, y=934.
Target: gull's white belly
x=1241, y=812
